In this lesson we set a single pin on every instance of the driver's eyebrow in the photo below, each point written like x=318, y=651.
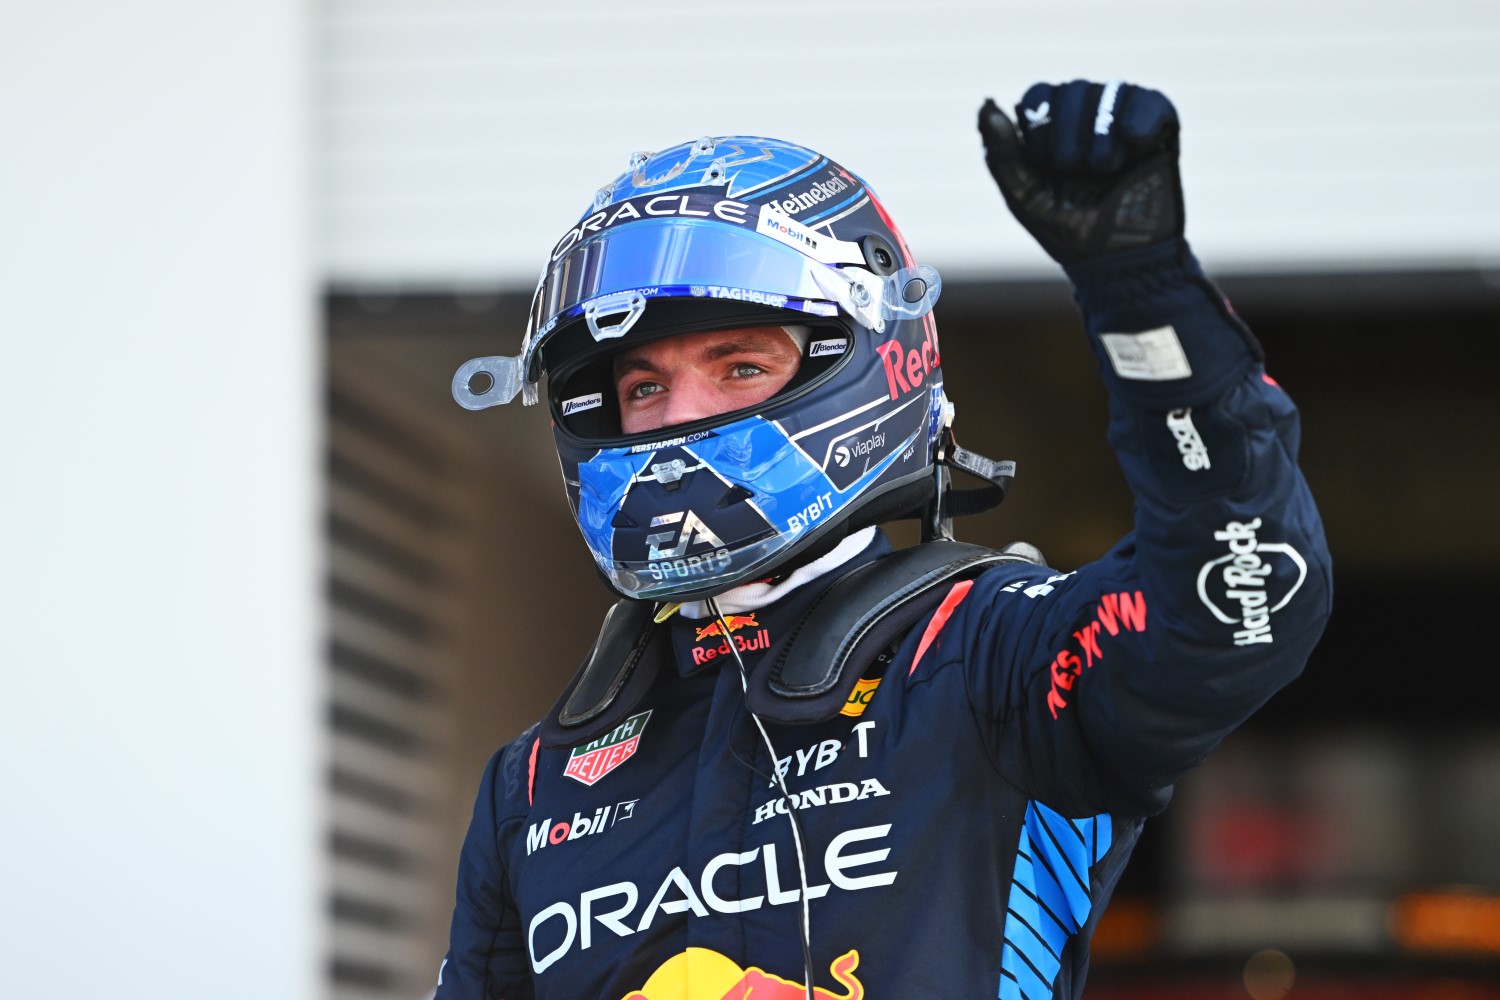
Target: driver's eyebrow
x=726, y=348
x=636, y=363
x=626, y=365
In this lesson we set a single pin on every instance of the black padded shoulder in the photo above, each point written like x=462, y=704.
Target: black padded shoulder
x=617, y=673
x=810, y=673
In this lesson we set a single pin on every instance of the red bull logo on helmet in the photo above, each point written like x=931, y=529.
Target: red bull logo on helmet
x=704, y=974
x=905, y=370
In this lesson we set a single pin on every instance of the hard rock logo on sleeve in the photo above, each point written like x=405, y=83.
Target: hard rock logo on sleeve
x=1251, y=582
x=597, y=758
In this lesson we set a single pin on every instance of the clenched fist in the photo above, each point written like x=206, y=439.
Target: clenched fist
x=1088, y=168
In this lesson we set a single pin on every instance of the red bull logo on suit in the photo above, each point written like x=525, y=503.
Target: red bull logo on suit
x=761, y=640
x=734, y=622
x=704, y=974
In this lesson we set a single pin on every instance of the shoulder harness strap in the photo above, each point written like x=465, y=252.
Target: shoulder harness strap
x=809, y=675
x=804, y=678
x=619, y=670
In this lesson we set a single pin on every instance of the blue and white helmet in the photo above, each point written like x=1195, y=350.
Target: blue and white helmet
x=711, y=235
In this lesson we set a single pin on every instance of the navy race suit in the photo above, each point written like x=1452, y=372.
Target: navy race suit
x=965, y=828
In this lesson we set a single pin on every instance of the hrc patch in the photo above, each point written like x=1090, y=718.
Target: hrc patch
x=597, y=758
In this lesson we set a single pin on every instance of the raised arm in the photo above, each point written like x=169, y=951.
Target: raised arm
x=1106, y=685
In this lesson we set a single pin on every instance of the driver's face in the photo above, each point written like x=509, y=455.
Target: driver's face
x=699, y=375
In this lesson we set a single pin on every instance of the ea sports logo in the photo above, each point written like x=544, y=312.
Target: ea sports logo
x=841, y=456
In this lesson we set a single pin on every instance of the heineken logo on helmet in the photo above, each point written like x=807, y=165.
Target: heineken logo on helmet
x=597, y=758
x=816, y=193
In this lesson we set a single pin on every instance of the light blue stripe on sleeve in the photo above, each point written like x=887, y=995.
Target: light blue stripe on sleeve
x=1049, y=897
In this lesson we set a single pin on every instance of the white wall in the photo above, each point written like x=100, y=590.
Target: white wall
x=462, y=136
x=160, y=704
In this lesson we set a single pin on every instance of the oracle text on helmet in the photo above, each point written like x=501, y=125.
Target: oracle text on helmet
x=696, y=206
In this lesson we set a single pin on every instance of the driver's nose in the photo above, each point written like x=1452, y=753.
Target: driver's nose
x=691, y=397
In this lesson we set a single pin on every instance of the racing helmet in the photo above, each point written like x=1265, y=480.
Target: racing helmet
x=718, y=234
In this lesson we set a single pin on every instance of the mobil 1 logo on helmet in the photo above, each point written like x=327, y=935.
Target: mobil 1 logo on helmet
x=1250, y=582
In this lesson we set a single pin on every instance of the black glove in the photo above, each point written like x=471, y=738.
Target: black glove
x=1094, y=169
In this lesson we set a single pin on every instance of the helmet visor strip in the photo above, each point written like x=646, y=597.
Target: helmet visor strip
x=609, y=279
x=669, y=257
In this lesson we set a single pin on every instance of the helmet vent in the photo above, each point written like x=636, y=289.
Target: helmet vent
x=736, y=494
x=716, y=174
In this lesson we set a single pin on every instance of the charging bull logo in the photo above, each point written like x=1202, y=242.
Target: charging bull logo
x=702, y=974
x=735, y=623
x=756, y=641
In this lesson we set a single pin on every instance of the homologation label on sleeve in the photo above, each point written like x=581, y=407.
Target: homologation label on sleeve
x=1149, y=356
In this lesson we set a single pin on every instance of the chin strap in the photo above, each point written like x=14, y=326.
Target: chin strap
x=948, y=503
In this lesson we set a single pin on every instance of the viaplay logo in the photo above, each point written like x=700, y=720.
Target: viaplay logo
x=597, y=758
